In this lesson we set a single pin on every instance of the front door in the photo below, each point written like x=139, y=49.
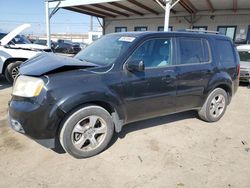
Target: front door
x=151, y=92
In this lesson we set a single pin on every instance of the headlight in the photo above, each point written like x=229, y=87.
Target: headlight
x=26, y=86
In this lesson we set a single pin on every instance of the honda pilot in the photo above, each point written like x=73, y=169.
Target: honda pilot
x=122, y=78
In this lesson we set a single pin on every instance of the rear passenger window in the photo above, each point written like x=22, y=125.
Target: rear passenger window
x=193, y=51
x=225, y=52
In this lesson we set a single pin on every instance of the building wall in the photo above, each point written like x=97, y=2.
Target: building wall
x=179, y=22
x=86, y=38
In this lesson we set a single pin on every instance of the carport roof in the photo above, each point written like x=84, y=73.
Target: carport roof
x=127, y=8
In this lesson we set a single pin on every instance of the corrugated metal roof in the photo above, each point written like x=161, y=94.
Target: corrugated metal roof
x=117, y=8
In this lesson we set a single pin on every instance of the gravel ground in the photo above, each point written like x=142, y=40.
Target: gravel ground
x=173, y=151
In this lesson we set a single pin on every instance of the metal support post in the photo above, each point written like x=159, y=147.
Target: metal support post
x=47, y=23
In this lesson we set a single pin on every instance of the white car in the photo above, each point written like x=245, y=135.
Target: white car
x=244, y=52
x=14, y=53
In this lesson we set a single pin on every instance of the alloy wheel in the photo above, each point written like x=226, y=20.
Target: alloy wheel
x=15, y=72
x=217, y=105
x=89, y=133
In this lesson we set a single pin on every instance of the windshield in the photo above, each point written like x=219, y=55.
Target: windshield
x=20, y=39
x=106, y=50
x=244, y=56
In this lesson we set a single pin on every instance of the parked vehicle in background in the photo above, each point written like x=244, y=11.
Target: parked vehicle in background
x=122, y=78
x=44, y=43
x=67, y=47
x=14, y=50
x=81, y=44
x=20, y=41
x=40, y=41
x=244, y=52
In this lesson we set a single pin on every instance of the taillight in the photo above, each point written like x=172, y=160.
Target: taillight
x=238, y=71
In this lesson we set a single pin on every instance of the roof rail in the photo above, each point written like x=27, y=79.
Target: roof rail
x=202, y=31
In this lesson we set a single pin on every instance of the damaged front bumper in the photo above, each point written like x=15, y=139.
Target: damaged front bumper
x=38, y=121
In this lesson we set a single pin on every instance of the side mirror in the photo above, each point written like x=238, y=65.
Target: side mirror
x=135, y=66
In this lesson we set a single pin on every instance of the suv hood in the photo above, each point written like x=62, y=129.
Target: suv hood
x=48, y=63
x=5, y=40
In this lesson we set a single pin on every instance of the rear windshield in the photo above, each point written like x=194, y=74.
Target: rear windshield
x=245, y=56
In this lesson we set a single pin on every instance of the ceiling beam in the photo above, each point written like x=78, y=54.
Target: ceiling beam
x=235, y=5
x=188, y=6
x=110, y=10
x=126, y=8
x=79, y=10
x=70, y=3
x=88, y=9
x=210, y=5
x=185, y=7
x=163, y=5
x=143, y=6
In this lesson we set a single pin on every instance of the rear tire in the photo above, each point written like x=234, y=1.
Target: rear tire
x=215, y=106
x=12, y=71
x=87, y=131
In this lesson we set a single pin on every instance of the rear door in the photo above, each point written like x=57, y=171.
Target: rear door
x=151, y=92
x=194, y=71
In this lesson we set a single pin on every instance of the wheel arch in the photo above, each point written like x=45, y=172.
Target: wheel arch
x=116, y=113
x=225, y=86
x=220, y=80
x=11, y=60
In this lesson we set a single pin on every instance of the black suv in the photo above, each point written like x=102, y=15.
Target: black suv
x=122, y=78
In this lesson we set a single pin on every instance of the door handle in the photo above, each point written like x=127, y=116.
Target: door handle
x=167, y=78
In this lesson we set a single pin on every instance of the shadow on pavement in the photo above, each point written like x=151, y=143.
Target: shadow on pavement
x=3, y=83
x=244, y=84
x=137, y=126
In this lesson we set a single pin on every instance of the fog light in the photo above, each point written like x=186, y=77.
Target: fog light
x=16, y=125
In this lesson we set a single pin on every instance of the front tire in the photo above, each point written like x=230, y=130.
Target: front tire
x=12, y=71
x=215, y=106
x=87, y=131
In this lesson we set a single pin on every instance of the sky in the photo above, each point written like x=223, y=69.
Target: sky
x=17, y=12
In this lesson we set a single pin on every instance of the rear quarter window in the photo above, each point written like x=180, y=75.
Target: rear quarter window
x=225, y=53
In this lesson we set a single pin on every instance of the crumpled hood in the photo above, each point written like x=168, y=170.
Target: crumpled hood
x=46, y=63
x=5, y=40
x=245, y=65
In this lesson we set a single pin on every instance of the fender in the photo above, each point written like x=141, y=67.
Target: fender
x=109, y=101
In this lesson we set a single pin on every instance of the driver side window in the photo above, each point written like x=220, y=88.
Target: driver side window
x=154, y=53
